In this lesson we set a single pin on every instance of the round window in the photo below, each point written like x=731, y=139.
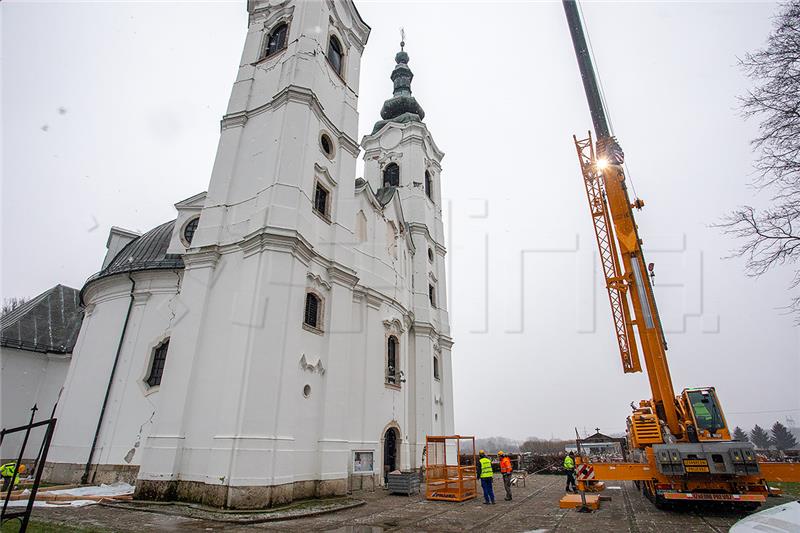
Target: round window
x=189, y=229
x=326, y=144
x=307, y=391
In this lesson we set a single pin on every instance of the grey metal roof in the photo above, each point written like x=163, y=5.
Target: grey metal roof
x=402, y=106
x=48, y=323
x=148, y=252
x=384, y=195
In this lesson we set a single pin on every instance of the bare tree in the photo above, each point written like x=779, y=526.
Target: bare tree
x=771, y=236
x=9, y=304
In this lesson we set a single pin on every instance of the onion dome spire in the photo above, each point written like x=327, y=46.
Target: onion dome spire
x=402, y=106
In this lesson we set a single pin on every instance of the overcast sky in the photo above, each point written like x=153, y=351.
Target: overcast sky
x=110, y=115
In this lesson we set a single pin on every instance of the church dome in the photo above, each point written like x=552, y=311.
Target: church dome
x=147, y=252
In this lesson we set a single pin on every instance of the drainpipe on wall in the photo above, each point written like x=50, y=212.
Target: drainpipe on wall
x=85, y=477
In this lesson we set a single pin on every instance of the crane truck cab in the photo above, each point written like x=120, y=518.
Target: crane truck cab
x=704, y=419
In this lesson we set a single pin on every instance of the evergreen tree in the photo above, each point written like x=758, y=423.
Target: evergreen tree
x=740, y=435
x=760, y=437
x=781, y=437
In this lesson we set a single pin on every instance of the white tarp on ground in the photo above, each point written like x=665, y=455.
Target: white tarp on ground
x=779, y=519
x=115, y=489
x=39, y=503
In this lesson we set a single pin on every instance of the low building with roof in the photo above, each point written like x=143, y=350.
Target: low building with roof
x=36, y=343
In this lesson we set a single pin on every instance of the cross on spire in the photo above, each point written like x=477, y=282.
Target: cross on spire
x=402, y=38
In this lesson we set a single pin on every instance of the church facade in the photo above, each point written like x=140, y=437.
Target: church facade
x=287, y=335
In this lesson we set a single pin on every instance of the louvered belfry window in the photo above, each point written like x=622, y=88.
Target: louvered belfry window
x=321, y=200
x=391, y=360
x=277, y=39
x=157, y=366
x=391, y=175
x=312, y=310
x=335, y=54
x=428, y=185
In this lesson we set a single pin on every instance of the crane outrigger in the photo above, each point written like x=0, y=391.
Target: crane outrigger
x=681, y=447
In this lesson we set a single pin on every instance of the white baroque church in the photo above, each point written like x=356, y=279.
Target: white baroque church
x=287, y=335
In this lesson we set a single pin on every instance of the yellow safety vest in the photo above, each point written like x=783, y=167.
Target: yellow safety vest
x=7, y=470
x=569, y=463
x=486, y=467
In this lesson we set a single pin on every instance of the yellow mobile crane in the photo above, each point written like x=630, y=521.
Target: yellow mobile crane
x=681, y=445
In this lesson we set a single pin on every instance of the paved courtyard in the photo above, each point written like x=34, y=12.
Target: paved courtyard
x=534, y=508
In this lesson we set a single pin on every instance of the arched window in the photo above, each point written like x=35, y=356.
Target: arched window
x=428, y=185
x=436, y=373
x=321, y=203
x=335, y=54
x=392, y=361
x=432, y=294
x=312, y=312
x=391, y=175
x=157, y=364
x=189, y=229
x=277, y=39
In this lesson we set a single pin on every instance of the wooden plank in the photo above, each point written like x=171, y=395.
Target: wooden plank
x=571, y=501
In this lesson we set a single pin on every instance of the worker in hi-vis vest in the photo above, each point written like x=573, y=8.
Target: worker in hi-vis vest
x=569, y=466
x=7, y=472
x=505, y=470
x=486, y=476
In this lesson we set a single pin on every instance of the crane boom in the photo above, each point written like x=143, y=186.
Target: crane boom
x=681, y=445
x=629, y=289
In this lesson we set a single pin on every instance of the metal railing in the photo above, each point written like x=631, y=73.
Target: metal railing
x=25, y=515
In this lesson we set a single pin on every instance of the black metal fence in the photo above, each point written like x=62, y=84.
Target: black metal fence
x=25, y=515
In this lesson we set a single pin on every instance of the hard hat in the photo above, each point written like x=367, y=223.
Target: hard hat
x=500, y=452
x=21, y=469
x=481, y=452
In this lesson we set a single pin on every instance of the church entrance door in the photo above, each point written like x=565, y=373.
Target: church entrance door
x=389, y=452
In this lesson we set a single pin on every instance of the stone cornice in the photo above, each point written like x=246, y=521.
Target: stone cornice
x=417, y=228
x=342, y=275
x=233, y=120
x=374, y=299
x=394, y=324
x=359, y=30
x=318, y=281
x=416, y=132
x=293, y=93
x=281, y=241
x=204, y=258
x=271, y=15
x=429, y=330
x=323, y=171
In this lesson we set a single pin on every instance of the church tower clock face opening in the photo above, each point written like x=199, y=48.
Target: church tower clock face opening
x=289, y=274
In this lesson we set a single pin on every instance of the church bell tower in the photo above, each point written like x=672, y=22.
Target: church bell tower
x=401, y=155
x=234, y=426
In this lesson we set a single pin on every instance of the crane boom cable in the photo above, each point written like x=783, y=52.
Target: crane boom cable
x=602, y=91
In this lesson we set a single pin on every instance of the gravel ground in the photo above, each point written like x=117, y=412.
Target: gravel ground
x=534, y=508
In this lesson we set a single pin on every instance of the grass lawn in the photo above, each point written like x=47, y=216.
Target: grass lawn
x=35, y=526
x=789, y=488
